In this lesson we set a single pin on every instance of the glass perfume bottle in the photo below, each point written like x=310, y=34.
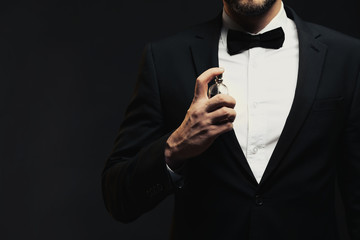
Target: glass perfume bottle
x=218, y=87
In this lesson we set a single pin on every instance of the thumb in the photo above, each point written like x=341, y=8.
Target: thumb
x=201, y=86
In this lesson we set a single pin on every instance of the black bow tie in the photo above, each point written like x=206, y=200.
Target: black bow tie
x=238, y=42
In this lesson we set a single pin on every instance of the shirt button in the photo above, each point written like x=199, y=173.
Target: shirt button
x=255, y=150
x=258, y=200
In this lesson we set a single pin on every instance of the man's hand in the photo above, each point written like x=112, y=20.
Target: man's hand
x=205, y=120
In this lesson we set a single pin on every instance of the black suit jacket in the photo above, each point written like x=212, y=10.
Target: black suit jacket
x=220, y=198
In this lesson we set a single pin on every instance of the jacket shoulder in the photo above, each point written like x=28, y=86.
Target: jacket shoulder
x=187, y=36
x=336, y=39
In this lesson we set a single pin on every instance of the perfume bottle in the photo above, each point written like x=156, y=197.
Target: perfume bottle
x=218, y=87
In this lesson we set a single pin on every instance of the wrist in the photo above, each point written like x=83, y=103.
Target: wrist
x=172, y=160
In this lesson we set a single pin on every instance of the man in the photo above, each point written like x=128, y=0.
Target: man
x=260, y=163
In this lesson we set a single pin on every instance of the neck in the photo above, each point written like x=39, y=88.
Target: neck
x=253, y=24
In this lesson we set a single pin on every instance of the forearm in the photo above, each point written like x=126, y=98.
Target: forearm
x=136, y=185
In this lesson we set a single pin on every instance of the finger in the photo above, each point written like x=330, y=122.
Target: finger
x=201, y=86
x=217, y=130
x=220, y=100
x=222, y=115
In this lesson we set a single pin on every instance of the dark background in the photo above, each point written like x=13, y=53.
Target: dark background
x=67, y=70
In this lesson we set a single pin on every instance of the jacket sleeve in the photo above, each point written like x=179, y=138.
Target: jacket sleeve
x=349, y=168
x=135, y=178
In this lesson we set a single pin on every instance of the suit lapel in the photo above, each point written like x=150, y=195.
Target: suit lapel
x=204, y=47
x=233, y=149
x=204, y=50
x=311, y=58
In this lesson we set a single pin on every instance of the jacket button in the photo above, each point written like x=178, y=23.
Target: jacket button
x=258, y=200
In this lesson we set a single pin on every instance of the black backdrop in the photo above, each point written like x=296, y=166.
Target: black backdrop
x=67, y=70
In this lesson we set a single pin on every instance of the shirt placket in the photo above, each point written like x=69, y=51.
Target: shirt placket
x=256, y=122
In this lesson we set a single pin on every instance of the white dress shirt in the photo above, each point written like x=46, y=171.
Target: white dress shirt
x=263, y=82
